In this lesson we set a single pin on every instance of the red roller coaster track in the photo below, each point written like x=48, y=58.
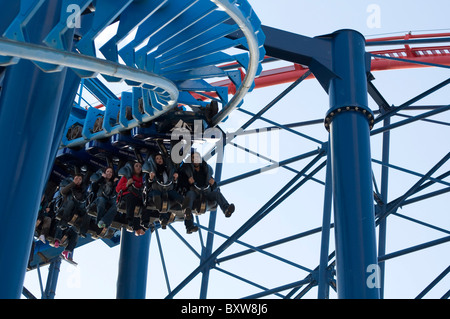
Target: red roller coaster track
x=439, y=55
x=404, y=57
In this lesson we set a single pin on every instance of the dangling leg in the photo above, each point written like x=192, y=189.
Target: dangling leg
x=188, y=203
x=190, y=228
x=217, y=196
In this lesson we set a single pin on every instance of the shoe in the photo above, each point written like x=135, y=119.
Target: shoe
x=192, y=229
x=101, y=224
x=171, y=218
x=56, y=243
x=164, y=220
x=139, y=232
x=66, y=255
x=145, y=225
x=188, y=214
x=229, y=211
x=42, y=238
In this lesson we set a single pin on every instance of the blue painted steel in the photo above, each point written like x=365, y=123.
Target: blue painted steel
x=245, y=280
x=272, y=166
x=55, y=38
x=15, y=30
x=170, y=40
x=433, y=283
x=323, y=292
x=29, y=151
x=268, y=245
x=394, y=205
x=133, y=265
x=254, y=249
x=163, y=16
x=411, y=119
x=52, y=279
x=105, y=13
x=260, y=214
x=71, y=84
x=44, y=254
x=211, y=226
x=351, y=169
x=99, y=90
x=384, y=199
x=133, y=16
x=415, y=99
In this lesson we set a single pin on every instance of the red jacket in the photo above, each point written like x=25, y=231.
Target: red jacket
x=122, y=185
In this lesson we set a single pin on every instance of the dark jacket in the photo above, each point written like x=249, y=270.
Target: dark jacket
x=78, y=192
x=102, y=187
x=188, y=170
x=163, y=173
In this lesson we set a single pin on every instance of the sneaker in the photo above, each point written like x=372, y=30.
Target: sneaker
x=42, y=238
x=101, y=224
x=164, y=220
x=129, y=228
x=187, y=214
x=192, y=229
x=66, y=254
x=229, y=210
x=139, y=232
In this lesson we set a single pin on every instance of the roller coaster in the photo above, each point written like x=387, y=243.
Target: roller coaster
x=185, y=68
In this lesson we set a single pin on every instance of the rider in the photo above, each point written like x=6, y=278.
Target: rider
x=163, y=172
x=75, y=195
x=104, y=186
x=131, y=188
x=200, y=173
x=69, y=238
x=45, y=217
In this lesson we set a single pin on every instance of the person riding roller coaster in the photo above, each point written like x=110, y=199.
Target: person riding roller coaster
x=130, y=188
x=200, y=176
x=162, y=178
x=75, y=195
x=104, y=186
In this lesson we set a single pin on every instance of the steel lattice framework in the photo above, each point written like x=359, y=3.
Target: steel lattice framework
x=221, y=53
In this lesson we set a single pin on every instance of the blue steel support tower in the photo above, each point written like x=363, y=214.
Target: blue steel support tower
x=30, y=97
x=341, y=65
x=349, y=119
x=133, y=264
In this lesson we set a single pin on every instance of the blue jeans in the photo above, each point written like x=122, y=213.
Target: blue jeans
x=102, y=213
x=172, y=195
x=215, y=195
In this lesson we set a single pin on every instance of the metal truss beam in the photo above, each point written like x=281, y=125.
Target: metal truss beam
x=393, y=205
x=411, y=101
x=414, y=248
x=433, y=283
x=260, y=214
